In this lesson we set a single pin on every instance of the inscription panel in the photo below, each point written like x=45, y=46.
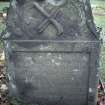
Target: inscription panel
x=50, y=78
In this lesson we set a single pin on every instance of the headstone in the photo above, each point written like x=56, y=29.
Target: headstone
x=52, y=50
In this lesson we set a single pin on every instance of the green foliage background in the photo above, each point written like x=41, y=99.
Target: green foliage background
x=98, y=7
x=2, y=5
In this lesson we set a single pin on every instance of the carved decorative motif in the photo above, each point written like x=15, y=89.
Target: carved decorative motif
x=49, y=19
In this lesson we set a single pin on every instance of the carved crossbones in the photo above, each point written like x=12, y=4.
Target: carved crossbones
x=48, y=20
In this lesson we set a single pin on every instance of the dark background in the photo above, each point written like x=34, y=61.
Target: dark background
x=4, y=0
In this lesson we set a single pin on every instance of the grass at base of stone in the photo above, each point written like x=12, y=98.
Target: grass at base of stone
x=15, y=101
x=98, y=3
x=100, y=21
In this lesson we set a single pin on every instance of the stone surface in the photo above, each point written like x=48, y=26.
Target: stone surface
x=52, y=50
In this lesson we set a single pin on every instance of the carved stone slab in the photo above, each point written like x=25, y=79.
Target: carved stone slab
x=52, y=51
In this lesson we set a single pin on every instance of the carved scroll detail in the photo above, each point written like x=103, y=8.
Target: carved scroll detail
x=48, y=20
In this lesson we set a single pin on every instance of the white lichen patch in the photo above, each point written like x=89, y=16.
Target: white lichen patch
x=28, y=61
x=97, y=75
x=60, y=57
x=90, y=90
x=76, y=34
x=76, y=70
x=52, y=60
x=72, y=78
x=13, y=86
x=85, y=58
x=49, y=54
x=40, y=57
x=57, y=63
x=42, y=47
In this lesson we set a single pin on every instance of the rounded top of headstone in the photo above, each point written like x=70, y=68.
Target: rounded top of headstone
x=50, y=19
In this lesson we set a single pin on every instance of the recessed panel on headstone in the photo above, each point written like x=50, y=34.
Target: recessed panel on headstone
x=51, y=78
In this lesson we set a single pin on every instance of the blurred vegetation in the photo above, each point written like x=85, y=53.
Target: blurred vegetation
x=98, y=7
x=2, y=6
x=16, y=101
x=2, y=26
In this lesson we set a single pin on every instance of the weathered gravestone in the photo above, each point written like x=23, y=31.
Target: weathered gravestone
x=52, y=50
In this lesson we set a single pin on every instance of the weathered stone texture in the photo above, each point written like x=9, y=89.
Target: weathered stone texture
x=52, y=50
